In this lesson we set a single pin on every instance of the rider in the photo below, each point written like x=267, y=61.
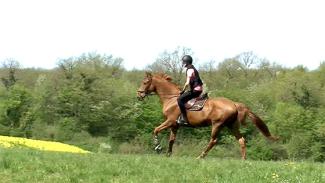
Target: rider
x=193, y=81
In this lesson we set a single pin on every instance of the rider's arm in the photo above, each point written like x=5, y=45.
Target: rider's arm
x=188, y=78
x=186, y=84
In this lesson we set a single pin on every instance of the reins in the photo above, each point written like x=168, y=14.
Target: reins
x=172, y=95
x=150, y=94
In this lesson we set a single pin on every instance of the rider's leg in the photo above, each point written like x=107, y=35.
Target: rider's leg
x=185, y=97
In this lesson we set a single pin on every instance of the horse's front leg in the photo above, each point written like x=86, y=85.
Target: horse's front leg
x=163, y=126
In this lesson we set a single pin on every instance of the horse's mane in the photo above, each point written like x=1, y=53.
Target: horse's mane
x=166, y=77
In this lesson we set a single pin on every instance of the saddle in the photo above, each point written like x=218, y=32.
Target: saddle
x=197, y=104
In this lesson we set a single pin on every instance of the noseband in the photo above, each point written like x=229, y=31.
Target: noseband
x=142, y=91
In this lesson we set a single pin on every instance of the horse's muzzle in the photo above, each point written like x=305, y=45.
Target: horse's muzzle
x=141, y=95
x=140, y=98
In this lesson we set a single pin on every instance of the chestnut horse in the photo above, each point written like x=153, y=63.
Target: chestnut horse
x=217, y=112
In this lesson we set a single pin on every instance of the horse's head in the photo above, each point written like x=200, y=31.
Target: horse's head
x=146, y=86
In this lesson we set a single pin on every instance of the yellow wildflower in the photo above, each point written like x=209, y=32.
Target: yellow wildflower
x=6, y=141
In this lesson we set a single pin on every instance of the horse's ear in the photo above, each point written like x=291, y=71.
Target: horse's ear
x=148, y=75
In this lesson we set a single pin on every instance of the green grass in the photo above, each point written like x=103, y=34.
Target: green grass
x=22, y=165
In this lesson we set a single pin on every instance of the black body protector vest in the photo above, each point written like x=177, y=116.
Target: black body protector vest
x=196, y=80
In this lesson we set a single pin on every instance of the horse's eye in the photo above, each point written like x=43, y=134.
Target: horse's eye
x=146, y=81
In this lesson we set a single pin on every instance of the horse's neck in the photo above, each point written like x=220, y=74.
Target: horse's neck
x=166, y=90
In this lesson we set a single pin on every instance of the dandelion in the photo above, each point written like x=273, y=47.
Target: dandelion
x=8, y=142
x=5, y=144
x=289, y=164
x=275, y=176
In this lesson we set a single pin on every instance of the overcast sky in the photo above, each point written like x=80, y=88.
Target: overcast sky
x=39, y=32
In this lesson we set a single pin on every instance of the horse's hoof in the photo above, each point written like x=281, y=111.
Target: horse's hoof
x=158, y=148
x=273, y=138
x=169, y=154
x=201, y=156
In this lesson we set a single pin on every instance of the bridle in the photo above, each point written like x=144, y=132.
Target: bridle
x=147, y=93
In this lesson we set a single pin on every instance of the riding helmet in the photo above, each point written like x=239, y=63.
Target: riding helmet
x=187, y=60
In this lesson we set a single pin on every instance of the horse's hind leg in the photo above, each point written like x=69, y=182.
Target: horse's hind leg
x=213, y=141
x=235, y=131
x=172, y=138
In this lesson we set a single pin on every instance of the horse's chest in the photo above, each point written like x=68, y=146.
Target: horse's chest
x=170, y=109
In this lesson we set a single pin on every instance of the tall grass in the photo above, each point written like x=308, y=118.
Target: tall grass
x=22, y=165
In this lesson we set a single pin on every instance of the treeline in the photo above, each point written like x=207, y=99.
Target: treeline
x=90, y=101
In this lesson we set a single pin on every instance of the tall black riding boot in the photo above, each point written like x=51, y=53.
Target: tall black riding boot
x=182, y=120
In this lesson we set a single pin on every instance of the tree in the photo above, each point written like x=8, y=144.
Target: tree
x=247, y=60
x=12, y=66
x=170, y=63
x=268, y=70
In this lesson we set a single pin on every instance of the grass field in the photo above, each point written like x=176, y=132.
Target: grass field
x=23, y=165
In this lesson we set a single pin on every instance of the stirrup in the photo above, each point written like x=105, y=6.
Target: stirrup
x=182, y=121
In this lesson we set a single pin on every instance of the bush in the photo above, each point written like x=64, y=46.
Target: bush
x=43, y=131
x=67, y=128
x=292, y=119
x=16, y=132
x=4, y=130
x=299, y=146
x=261, y=149
x=318, y=152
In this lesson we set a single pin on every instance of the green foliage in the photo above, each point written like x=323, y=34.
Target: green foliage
x=90, y=101
x=4, y=130
x=259, y=149
x=11, y=66
x=17, y=103
x=41, y=130
x=318, y=151
x=67, y=128
x=16, y=114
x=150, y=115
x=292, y=119
x=299, y=146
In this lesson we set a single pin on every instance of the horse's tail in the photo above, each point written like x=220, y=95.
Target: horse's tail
x=244, y=111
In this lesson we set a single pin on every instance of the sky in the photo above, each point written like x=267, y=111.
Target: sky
x=38, y=33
